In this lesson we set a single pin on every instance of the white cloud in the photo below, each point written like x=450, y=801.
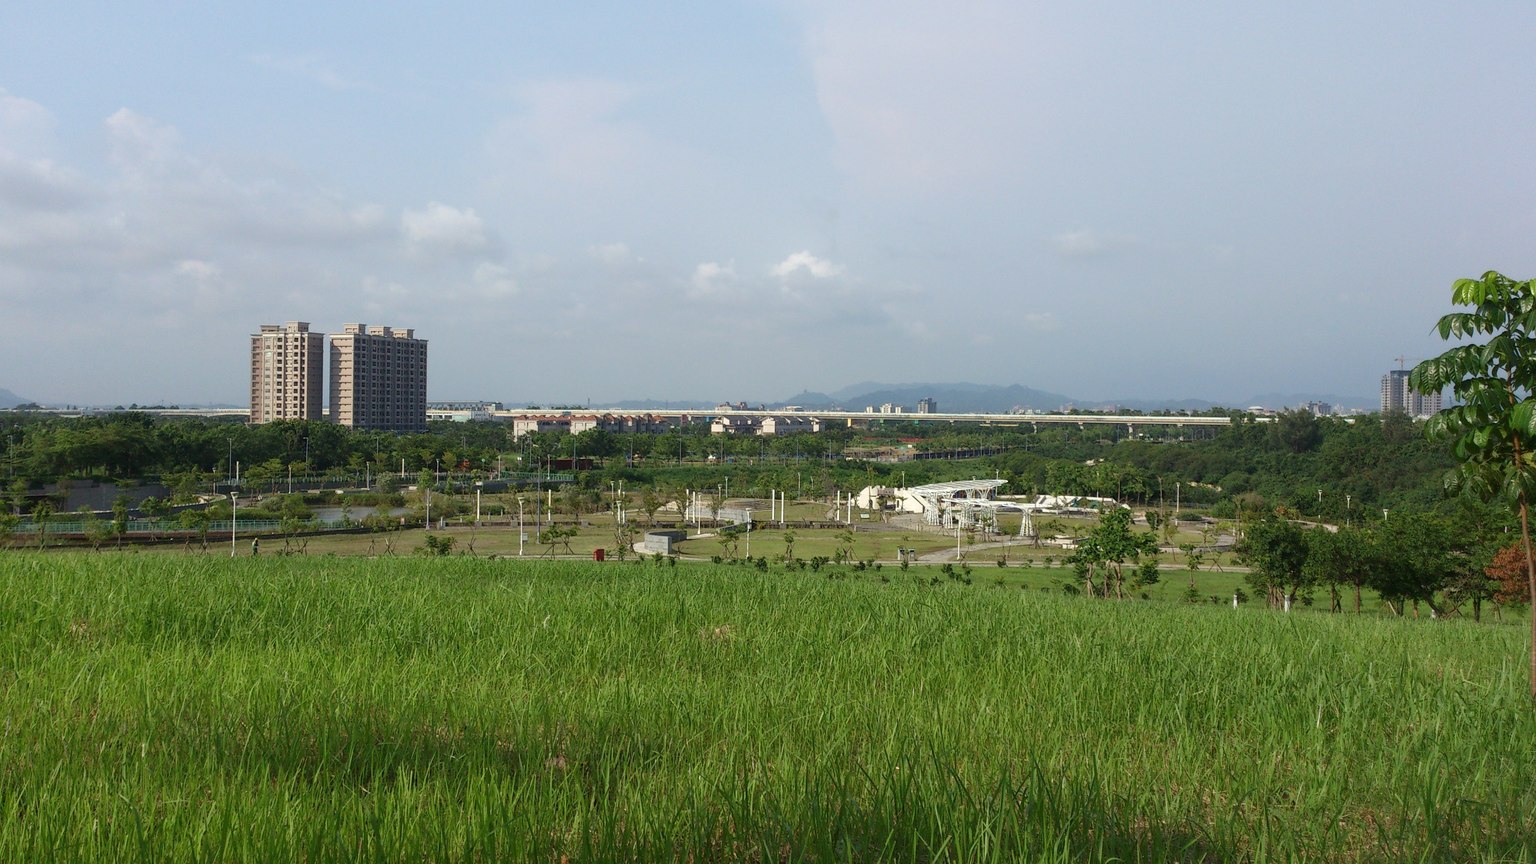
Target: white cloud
x=140, y=145
x=611, y=253
x=1043, y=322
x=805, y=262
x=710, y=277
x=25, y=126
x=39, y=184
x=494, y=281
x=198, y=271
x=442, y=229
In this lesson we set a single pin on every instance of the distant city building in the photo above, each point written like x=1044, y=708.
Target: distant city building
x=287, y=373
x=575, y=424
x=379, y=378
x=891, y=408
x=458, y=415
x=734, y=424
x=769, y=426
x=786, y=425
x=530, y=423
x=1397, y=396
x=926, y=405
x=1319, y=409
x=464, y=406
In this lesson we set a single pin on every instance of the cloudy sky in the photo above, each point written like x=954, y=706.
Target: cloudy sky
x=746, y=198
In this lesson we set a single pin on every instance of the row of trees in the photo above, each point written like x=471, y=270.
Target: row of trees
x=1325, y=468
x=1408, y=560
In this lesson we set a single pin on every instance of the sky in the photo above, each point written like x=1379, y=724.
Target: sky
x=744, y=199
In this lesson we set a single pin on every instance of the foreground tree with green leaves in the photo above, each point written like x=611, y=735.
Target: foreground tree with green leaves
x=1108, y=548
x=1493, y=427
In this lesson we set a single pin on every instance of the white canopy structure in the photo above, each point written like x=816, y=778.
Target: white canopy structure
x=956, y=504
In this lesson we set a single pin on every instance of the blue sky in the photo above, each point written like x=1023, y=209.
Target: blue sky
x=744, y=199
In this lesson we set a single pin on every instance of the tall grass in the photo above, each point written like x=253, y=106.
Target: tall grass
x=203, y=709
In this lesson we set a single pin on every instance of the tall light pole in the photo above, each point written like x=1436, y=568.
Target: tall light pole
x=229, y=467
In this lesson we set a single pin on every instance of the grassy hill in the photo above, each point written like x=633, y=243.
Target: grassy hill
x=201, y=708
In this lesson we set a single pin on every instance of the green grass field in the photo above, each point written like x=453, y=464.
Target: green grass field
x=318, y=708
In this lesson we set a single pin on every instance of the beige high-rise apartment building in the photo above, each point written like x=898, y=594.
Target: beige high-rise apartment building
x=287, y=376
x=379, y=378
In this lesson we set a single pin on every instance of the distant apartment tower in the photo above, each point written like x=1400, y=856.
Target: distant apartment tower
x=1397, y=396
x=379, y=378
x=926, y=405
x=287, y=375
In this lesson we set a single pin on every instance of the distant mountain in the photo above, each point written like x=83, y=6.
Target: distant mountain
x=11, y=400
x=853, y=391
x=809, y=399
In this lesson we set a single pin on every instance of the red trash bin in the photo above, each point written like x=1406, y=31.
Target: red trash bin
x=597, y=554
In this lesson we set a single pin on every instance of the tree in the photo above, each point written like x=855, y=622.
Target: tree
x=155, y=508
x=195, y=520
x=651, y=500
x=1347, y=556
x=41, y=511
x=1491, y=430
x=679, y=498
x=1507, y=571
x=1419, y=556
x=1276, y=552
x=1111, y=545
x=120, y=513
x=1297, y=431
x=95, y=530
x=623, y=539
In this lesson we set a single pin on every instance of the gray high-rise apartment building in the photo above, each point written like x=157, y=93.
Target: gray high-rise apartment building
x=379, y=378
x=1397, y=396
x=287, y=375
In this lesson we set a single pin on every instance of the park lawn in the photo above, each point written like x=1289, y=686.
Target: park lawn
x=174, y=708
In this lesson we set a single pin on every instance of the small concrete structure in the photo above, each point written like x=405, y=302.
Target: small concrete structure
x=661, y=542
